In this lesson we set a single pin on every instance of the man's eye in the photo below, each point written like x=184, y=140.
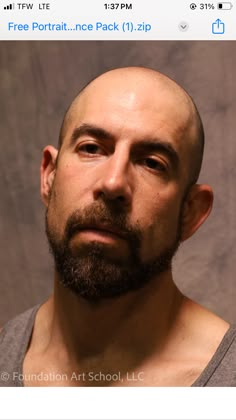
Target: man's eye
x=154, y=164
x=89, y=148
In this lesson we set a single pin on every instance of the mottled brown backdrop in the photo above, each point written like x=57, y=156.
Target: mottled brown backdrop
x=37, y=82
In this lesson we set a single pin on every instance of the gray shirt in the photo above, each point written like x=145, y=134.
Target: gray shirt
x=16, y=334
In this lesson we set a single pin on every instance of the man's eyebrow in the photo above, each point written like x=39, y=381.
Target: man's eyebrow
x=147, y=145
x=90, y=130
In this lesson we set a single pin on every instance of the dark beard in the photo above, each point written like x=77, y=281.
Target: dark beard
x=93, y=275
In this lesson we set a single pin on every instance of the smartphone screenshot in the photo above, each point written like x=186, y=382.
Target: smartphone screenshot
x=117, y=207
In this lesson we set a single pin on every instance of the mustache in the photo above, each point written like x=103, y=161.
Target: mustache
x=97, y=215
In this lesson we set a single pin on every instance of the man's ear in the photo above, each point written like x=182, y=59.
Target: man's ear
x=197, y=207
x=47, y=172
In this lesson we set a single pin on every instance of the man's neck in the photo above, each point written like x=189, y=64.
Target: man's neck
x=155, y=330
x=137, y=322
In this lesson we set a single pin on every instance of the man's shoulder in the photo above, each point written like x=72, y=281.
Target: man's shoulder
x=214, y=346
x=202, y=324
x=221, y=369
x=17, y=325
x=14, y=340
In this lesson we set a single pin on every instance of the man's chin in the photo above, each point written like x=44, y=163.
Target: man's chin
x=94, y=277
x=94, y=271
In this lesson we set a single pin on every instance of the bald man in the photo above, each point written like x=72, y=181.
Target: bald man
x=121, y=194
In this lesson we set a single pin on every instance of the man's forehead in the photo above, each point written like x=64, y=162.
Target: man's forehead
x=150, y=104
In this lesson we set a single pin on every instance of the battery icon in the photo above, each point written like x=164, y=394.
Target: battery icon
x=226, y=5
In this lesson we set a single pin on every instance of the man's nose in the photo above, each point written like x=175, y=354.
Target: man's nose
x=114, y=182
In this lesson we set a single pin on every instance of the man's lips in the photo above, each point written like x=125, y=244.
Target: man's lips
x=103, y=229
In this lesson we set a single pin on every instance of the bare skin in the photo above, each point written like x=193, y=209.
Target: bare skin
x=154, y=336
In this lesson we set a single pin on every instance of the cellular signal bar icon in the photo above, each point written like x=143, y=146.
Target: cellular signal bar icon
x=9, y=7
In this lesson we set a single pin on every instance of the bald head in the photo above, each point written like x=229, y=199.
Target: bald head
x=130, y=83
